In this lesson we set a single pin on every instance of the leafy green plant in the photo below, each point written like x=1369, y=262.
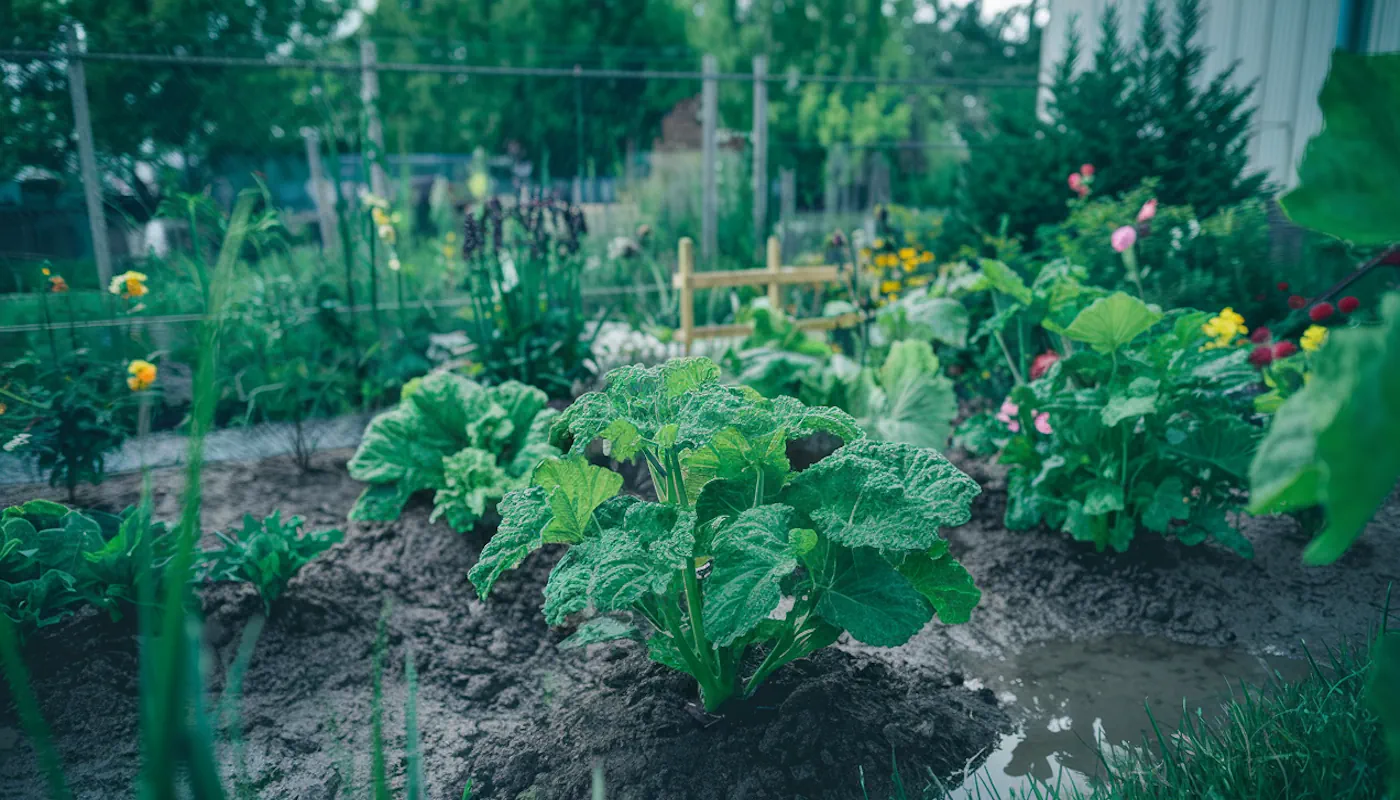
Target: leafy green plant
x=908, y=399
x=469, y=443
x=135, y=548
x=852, y=542
x=1336, y=442
x=41, y=547
x=526, y=321
x=266, y=553
x=1145, y=428
x=69, y=414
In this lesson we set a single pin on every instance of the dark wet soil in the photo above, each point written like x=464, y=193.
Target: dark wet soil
x=500, y=705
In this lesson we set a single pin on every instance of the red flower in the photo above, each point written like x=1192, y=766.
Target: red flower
x=1348, y=304
x=1284, y=349
x=1087, y=170
x=1042, y=363
x=1283, y=286
x=1261, y=355
x=1296, y=301
x=1261, y=335
x=1320, y=312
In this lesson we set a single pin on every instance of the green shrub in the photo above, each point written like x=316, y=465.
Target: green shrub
x=1134, y=112
x=468, y=443
x=852, y=542
x=1140, y=430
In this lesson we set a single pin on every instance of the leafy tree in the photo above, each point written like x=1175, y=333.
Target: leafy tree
x=540, y=118
x=175, y=118
x=1136, y=111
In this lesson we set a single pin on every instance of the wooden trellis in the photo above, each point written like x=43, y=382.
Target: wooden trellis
x=774, y=275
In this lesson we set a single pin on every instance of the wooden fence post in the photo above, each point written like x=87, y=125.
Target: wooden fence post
x=709, y=198
x=87, y=161
x=374, y=128
x=685, y=272
x=775, y=265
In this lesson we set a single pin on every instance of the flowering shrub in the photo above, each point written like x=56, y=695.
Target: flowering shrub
x=1144, y=428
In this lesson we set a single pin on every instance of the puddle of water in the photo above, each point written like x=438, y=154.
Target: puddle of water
x=1068, y=699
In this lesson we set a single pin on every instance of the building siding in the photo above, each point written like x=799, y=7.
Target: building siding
x=1282, y=47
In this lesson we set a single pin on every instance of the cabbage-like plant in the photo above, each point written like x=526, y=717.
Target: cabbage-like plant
x=468, y=443
x=739, y=565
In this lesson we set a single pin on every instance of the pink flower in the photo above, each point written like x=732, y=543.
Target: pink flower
x=1124, y=238
x=1042, y=423
x=1076, y=182
x=1007, y=415
x=1148, y=211
x=1088, y=170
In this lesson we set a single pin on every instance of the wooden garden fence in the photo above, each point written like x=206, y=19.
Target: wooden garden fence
x=773, y=275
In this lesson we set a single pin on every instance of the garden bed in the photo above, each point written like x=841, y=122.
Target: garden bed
x=500, y=704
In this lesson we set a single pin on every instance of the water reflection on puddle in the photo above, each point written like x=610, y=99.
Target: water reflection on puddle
x=1069, y=698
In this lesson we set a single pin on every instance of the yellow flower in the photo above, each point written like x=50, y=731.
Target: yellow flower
x=889, y=288
x=925, y=257
x=986, y=373
x=1223, y=328
x=143, y=374
x=128, y=284
x=478, y=184
x=447, y=251
x=910, y=265
x=379, y=215
x=865, y=252
x=450, y=237
x=1313, y=338
x=908, y=253
x=879, y=243
x=44, y=270
x=3, y=409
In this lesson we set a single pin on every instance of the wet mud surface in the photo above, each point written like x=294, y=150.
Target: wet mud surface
x=499, y=704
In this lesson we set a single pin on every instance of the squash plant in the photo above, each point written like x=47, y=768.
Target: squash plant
x=468, y=443
x=1144, y=428
x=739, y=565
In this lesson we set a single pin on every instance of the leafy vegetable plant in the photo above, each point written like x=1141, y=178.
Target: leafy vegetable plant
x=54, y=560
x=1145, y=428
x=740, y=565
x=267, y=553
x=468, y=443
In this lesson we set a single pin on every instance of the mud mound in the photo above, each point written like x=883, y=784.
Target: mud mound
x=808, y=733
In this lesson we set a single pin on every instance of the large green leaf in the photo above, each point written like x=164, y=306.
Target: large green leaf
x=944, y=582
x=871, y=600
x=525, y=513
x=752, y=555
x=575, y=489
x=1005, y=280
x=1349, y=179
x=918, y=315
x=1337, y=442
x=884, y=495
x=918, y=404
x=617, y=568
x=683, y=402
x=732, y=456
x=1111, y=322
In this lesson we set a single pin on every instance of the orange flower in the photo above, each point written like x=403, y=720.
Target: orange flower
x=57, y=284
x=143, y=374
x=128, y=284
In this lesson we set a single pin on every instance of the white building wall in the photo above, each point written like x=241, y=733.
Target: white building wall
x=1282, y=46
